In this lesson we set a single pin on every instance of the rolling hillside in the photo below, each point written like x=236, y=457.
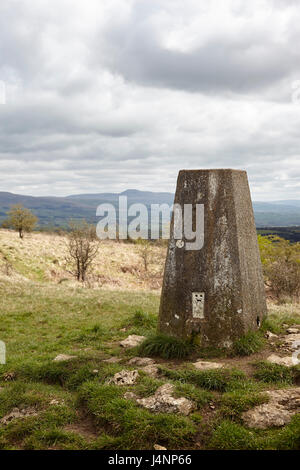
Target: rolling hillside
x=56, y=211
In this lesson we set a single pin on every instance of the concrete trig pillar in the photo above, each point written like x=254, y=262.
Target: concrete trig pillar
x=214, y=294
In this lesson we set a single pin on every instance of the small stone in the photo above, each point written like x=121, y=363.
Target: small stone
x=282, y=361
x=158, y=447
x=151, y=370
x=291, y=331
x=132, y=341
x=63, y=357
x=141, y=361
x=282, y=405
x=56, y=402
x=292, y=341
x=8, y=376
x=205, y=365
x=270, y=335
x=125, y=377
x=112, y=360
x=130, y=396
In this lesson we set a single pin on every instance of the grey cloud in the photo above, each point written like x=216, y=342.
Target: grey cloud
x=249, y=62
x=94, y=109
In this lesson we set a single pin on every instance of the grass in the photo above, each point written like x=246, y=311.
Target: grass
x=233, y=436
x=129, y=426
x=274, y=373
x=75, y=408
x=166, y=347
x=234, y=403
x=220, y=380
x=250, y=343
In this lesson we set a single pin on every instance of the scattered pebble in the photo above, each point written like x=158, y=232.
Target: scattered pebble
x=270, y=335
x=158, y=447
x=63, y=357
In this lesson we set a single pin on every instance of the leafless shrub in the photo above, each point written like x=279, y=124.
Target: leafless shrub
x=82, y=247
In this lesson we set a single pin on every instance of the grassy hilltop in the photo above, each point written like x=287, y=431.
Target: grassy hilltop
x=69, y=405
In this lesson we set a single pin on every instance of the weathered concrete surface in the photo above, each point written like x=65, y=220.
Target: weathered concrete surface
x=227, y=269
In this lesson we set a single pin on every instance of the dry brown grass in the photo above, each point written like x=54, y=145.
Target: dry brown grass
x=41, y=257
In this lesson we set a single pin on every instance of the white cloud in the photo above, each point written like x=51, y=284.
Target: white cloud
x=103, y=96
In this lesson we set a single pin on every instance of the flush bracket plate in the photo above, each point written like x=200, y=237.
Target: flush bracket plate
x=198, y=299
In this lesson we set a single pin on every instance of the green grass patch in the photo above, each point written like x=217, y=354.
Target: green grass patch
x=248, y=344
x=220, y=380
x=166, y=347
x=141, y=319
x=191, y=392
x=147, y=386
x=236, y=402
x=68, y=374
x=129, y=426
x=273, y=373
x=232, y=436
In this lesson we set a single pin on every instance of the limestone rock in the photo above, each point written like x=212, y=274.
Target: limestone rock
x=56, y=402
x=125, y=377
x=112, y=360
x=158, y=447
x=163, y=402
x=270, y=335
x=17, y=413
x=63, y=357
x=282, y=361
x=292, y=341
x=141, y=361
x=291, y=331
x=206, y=365
x=151, y=370
x=282, y=405
x=132, y=341
x=130, y=396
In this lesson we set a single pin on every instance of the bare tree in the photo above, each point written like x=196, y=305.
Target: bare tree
x=83, y=247
x=145, y=252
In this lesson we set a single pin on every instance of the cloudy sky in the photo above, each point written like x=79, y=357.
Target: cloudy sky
x=106, y=95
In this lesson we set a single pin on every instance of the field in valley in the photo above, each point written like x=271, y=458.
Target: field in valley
x=46, y=404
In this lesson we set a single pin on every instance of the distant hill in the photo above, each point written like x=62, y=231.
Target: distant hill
x=56, y=211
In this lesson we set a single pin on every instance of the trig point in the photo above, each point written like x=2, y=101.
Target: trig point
x=214, y=293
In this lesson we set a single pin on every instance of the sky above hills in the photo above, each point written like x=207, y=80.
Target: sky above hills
x=105, y=95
